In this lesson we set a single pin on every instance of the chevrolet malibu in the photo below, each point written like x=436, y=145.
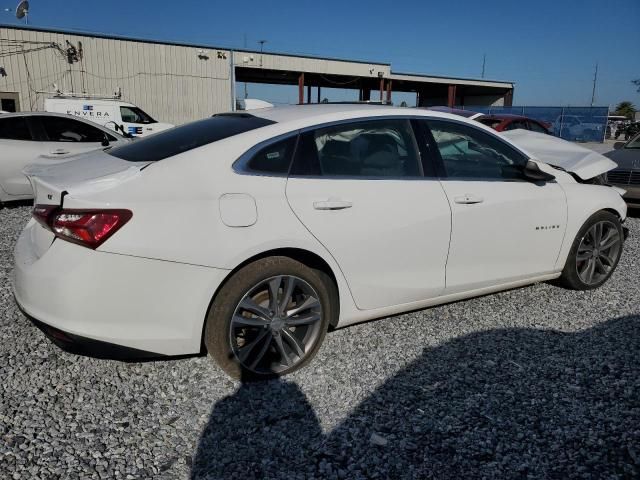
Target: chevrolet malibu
x=250, y=235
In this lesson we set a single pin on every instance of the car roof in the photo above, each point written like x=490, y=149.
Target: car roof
x=310, y=113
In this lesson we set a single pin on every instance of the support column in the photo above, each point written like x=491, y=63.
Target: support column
x=381, y=88
x=451, y=99
x=308, y=93
x=301, y=89
x=319, y=94
x=389, y=91
x=366, y=94
x=508, y=98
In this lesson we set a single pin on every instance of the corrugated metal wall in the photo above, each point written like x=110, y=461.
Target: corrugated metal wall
x=169, y=82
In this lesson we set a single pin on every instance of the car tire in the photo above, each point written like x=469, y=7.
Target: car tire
x=587, y=254
x=250, y=338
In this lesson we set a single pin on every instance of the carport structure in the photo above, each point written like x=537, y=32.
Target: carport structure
x=373, y=81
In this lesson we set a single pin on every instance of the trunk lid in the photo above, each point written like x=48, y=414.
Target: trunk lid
x=91, y=172
x=87, y=173
x=582, y=161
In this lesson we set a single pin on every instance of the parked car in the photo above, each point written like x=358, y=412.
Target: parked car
x=573, y=128
x=627, y=174
x=124, y=117
x=253, y=233
x=502, y=122
x=28, y=137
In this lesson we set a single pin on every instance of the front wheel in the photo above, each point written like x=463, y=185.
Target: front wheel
x=270, y=318
x=595, y=253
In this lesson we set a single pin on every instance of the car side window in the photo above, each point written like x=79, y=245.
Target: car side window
x=370, y=148
x=60, y=129
x=468, y=152
x=536, y=127
x=135, y=115
x=516, y=124
x=273, y=159
x=14, y=128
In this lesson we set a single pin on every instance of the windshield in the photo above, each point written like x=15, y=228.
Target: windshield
x=187, y=137
x=634, y=142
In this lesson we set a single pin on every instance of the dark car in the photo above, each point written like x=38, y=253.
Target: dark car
x=504, y=121
x=627, y=174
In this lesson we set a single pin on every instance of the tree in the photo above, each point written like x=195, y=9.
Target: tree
x=627, y=109
x=636, y=83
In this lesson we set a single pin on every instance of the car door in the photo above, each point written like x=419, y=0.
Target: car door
x=360, y=188
x=504, y=227
x=65, y=136
x=18, y=148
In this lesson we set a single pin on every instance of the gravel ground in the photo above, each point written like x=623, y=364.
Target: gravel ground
x=537, y=382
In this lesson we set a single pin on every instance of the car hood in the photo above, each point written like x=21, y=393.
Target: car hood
x=627, y=158
x=583, y=162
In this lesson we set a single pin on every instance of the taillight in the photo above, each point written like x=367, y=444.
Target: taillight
x=89, y=228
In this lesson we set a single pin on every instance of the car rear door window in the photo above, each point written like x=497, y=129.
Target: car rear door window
x=60, y=129
x=468, y=152
x=14, y=128
x=371, y=148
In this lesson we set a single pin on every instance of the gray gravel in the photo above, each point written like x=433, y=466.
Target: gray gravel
x=537, y=382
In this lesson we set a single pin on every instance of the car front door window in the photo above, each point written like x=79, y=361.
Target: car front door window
x=468, y=152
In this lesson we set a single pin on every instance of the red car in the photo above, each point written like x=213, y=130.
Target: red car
x=502, y=122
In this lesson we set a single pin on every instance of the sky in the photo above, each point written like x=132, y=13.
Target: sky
x=549, y=48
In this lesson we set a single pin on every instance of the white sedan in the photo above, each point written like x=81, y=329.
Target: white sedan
x=29, y=137
x=249, y=235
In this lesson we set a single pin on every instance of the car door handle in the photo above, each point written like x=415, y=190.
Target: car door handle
x=59, y=151
x=468, y=199
x=332, y=205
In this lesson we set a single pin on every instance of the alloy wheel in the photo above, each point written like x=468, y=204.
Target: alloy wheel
x=276, y=324
x=598, y=252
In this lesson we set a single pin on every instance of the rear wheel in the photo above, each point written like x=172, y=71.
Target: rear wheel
x=270, y=318
x=595, y=253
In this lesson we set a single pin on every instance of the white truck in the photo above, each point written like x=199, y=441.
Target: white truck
x=123, y=117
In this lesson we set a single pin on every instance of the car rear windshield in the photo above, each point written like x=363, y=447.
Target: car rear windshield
x=490, y=122
x=187, y=137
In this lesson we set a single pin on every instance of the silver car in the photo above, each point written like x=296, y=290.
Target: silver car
x=627, y=174
x=40, y=137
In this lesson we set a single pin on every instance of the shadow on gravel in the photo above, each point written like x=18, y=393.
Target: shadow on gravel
x=16, y=204
x=511, y=403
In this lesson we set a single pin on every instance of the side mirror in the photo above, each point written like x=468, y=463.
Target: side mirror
x=618, y=145
x=105, y=141
x=532, y=172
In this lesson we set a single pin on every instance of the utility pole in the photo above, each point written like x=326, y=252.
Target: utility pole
x=595, y=81
x=261, y=42
x=246, y=94
x=484, y=61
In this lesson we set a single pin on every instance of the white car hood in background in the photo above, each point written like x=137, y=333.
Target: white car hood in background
x=585, y=163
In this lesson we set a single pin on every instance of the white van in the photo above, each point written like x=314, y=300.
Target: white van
x=122, y=117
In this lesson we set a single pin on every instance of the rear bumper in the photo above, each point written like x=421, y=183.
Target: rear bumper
x=89, y=347
x=113, y=306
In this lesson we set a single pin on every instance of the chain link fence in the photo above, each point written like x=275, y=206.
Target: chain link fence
x=576, y=124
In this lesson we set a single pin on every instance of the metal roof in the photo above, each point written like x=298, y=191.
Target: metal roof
x=113, y=36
